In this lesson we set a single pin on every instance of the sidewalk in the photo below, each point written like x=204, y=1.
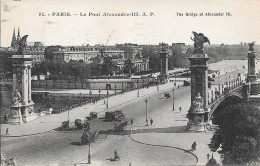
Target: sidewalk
x=50, y=122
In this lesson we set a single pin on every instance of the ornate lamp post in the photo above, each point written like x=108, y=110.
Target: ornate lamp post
x=173, y=99
x=69, y=99
x=146, y=101
x=80, y=99
x=90, y=95
x=122, y=88
x=226, y=79
x=137, y=88
x=89, y=157
x=157, y=83
x=115, y=88
x=99, y=93
x=175, y=80
x=107, y=98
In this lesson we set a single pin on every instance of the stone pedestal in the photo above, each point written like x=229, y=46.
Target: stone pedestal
x=164, y=66
x=197, y=115
x=251, y=77
x=15, y=116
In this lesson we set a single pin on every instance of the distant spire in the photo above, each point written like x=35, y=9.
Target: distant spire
x=13, y=44
x=18, y=35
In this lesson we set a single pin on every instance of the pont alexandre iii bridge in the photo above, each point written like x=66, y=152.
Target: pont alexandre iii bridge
x=244, y=90
x=205, y=101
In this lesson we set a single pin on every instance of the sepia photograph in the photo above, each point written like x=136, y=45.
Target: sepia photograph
x=130, y=82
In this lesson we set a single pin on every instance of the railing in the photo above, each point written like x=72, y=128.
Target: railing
x=221, y=97
x=222, y=90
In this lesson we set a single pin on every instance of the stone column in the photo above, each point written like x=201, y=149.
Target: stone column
x=14, y=79
x=29, y=84
x=166, y=64
x=251, y=66
x=199, y=92
x=199, y=76
x=25, y=85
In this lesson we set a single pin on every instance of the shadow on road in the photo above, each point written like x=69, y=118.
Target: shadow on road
x=178, y=129
x=76, y=143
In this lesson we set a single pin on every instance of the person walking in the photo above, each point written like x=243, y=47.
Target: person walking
x=180, y=109
x=132, y=121
x=116, y=156
x=151, y=121
x=7, y=131
x=193, y=146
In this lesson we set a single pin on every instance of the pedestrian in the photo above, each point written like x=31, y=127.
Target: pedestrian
x=178, y=86
x=151, y=121
x=132, y=121
x=116, y=156
x=7, y=131
x=193, y=146
x=180, y=109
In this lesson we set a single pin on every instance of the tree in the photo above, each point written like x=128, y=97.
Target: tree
x=154, y=58
x=48, y=52
x=128, y=67
x=238, y=135
x=108, y=66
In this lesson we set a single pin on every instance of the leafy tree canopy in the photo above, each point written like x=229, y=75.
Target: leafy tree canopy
x=238, y=135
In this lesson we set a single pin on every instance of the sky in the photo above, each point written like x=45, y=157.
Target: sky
x=162, y=26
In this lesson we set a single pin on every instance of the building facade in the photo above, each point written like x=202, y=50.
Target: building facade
x=86, y=53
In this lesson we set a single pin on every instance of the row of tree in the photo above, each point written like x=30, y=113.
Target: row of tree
x=79, y=70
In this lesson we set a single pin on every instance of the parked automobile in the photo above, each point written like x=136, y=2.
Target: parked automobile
x=92, y=115
x=186, y=83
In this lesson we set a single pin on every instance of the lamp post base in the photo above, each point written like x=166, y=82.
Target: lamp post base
x=89, y=159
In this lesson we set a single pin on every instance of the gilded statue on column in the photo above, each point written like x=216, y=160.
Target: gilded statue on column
x=199, y=40
x=22, y=45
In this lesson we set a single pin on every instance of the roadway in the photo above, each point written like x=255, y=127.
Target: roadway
x=63, y=147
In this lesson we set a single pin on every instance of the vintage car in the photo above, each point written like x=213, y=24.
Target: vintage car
x=92, y=115
x=167, y=95
x=186, y=83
